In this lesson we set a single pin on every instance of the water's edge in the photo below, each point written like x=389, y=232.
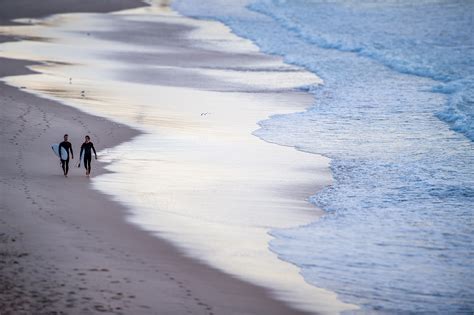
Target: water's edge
x=89, y=108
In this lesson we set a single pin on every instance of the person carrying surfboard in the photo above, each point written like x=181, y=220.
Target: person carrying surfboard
x=86, y=148
x=68, y=147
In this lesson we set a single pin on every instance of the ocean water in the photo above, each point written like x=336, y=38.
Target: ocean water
x=396, y=117
x=196, y=176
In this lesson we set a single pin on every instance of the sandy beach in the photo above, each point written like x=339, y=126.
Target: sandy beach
x=70, y=250
x=66, y=248
x=254, y=157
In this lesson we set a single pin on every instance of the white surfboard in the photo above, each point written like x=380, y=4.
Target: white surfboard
x=55, y=148
x=81, y=158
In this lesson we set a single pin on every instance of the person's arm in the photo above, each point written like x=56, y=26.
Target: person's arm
x=95, y=153
x=70, y=148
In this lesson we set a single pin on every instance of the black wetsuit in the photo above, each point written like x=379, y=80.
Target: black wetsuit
x=65, y=163
x=87, y=148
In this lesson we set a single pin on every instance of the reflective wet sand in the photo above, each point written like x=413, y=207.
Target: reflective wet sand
x=196, y=176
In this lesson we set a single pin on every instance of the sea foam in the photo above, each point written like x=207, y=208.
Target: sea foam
x=395, y=115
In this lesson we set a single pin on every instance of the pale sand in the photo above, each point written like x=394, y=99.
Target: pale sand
x=67, y=248
x=13, y=9
x=242, y=255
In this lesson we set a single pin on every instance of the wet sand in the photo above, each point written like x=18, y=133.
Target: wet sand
x=66, y=248
x=85, y=256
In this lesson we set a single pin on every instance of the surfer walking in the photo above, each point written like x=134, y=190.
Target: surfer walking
x=68, y=147
x=86, y=148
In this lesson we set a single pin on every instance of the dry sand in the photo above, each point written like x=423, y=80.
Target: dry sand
x=65, y=248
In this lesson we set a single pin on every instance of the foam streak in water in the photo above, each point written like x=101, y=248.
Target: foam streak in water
x=398, y=233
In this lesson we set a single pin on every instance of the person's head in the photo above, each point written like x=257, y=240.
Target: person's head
x=88, y=138
x=65, y=137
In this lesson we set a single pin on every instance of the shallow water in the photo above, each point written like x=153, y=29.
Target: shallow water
x=196, y=176
x=395, y=117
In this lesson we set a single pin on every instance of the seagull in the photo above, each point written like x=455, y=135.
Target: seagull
x=204, y=114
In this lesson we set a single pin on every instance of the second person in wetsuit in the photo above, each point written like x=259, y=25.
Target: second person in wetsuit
x=88, y=147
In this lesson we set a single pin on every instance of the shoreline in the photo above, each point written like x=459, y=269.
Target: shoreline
x=49, y=246
x=49, y=249
x=269, y=304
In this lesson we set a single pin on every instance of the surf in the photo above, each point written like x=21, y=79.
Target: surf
x=394, y=115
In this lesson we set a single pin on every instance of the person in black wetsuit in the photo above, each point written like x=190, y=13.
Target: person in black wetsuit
x=87, y=147
x=68, y=147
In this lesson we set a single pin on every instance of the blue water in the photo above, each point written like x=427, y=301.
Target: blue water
x=396, y=117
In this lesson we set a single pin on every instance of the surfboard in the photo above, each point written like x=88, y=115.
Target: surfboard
x=81, y=158
x=55, y=148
